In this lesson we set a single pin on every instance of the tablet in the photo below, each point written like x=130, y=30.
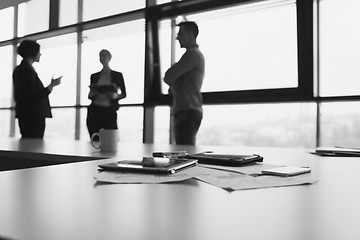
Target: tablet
x=150, y=165
x=338, y=151
x=286, y=171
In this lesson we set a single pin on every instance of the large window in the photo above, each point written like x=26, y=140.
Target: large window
x=340, y=124
x=5, y=118
x=162, y=124
x=7, y=30
x=62, y=125
x=339, y=47
x=259, y=80
x=58, y=58
x=244, y=47
x=33, y=17
x=247, y=47
x=6, y=76
x=126, y=42
x=339, y=54
x=130, y=123
x=277, y=125
x=99, y=9
x=68, y=12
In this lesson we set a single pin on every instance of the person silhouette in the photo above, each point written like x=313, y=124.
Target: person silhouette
x=32, y=105
x=185, y=79
x=104, y=96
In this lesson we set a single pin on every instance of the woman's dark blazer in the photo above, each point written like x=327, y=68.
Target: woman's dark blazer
x=116, y=78
x=31, y=97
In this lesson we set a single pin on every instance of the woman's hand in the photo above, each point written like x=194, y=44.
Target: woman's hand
x=54, y=82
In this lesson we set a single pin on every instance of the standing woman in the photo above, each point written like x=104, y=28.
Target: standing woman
x=31, y=97
x=104, y=96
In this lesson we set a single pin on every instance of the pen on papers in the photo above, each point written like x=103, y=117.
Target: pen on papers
x=170, y=154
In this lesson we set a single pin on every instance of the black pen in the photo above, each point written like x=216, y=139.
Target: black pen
x=170, y=154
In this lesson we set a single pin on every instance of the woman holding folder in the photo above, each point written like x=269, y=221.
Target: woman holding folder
x=104, y=95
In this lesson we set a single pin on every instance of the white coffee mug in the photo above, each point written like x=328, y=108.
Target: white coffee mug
x=108, y=140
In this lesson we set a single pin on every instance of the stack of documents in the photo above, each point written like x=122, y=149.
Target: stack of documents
x=230, y=172
x=226, y=177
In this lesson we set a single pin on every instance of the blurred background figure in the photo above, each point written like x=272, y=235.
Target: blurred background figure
x=31, y=97
x=185, y=79
x=104, y=95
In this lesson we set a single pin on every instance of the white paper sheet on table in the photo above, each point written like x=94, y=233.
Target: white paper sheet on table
x=237, y=181
x=254, y=169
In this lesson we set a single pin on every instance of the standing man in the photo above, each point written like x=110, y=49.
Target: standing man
x=185, y=79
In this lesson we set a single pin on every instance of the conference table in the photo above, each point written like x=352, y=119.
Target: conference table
x=61, y=200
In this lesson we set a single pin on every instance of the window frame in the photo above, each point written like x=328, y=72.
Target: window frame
x=304, y=91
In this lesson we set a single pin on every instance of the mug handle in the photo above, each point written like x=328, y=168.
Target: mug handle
x=92, y=140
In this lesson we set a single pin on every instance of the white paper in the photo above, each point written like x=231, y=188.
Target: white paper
x=121, y=177
x=236, y=181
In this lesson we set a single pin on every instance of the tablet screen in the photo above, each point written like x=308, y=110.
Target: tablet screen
x=150, y=162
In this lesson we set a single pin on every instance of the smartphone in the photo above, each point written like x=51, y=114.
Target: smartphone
x=227, y=159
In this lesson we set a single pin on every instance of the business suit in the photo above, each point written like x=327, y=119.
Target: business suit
x=104, y=116
x=32, y=101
